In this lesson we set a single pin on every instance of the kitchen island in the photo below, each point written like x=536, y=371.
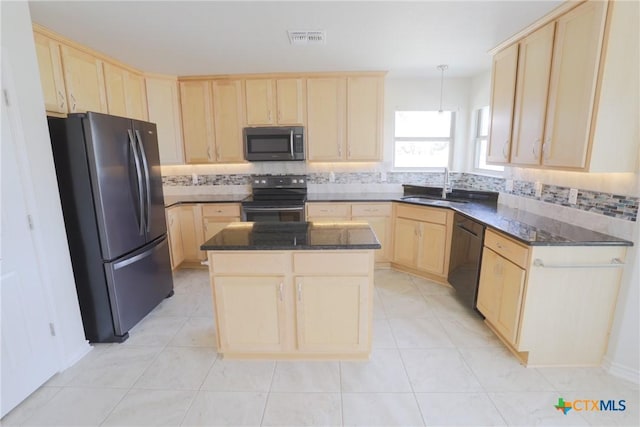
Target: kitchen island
x=293, y=290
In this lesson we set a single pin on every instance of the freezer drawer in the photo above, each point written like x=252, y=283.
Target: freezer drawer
x=138, y=283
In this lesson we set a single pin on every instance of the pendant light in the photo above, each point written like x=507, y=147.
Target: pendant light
x=442, y=68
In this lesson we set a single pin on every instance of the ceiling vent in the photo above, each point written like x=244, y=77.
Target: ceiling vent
x=306, y=37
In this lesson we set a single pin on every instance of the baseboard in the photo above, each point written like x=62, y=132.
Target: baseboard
x=621, y=371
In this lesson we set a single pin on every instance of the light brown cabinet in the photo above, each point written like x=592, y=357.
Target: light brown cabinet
x=197, y=121
x=275, y=101
x=326, y=127
x=84, y=81
x=126, y=95
x=422, y=239
x=288, y=305
x=216, y=216
x=228, y=119
x=51, y=74
x=164, y=110
x=176, y=250
x=573, y=105
x=364, y=118
x=377, y=215
x=191, y=232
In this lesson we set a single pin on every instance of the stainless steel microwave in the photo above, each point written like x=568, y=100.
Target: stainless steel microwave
x=274, y=143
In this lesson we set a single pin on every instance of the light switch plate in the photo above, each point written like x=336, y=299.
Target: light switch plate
x=573, y=196
x=538, y=187
x=332, y=177
x=194, y=177
x=383, y=176
x=508, y=185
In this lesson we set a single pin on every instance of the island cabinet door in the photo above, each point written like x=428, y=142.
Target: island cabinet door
x=332, y=313
x=250, y=313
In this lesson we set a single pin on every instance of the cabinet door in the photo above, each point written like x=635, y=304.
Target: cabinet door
x=197, y=121
x=115, y=86
x=489, y=287
x=228, y=120
x=381, y=226
x=175, y=237
x=213, y=226
x=503, y=88
x=332, y=313
x=534, y=67
x=290, y=95
x=512, y=278
x=191, y=231
x=136, y=97
x=364, y=117
x=84, y=80
x=572, y=88
x=260, y=100
x=50, y=65
x=405, y=242
x=326, y=119
x=432, y=247
x=164, y=111
x=250, y=313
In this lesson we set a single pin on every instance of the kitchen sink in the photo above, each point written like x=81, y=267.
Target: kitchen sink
x=428, y=200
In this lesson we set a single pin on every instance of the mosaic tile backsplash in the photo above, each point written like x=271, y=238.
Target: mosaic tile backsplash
x=617, y=206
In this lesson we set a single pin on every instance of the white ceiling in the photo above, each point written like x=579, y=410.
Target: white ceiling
x=214, y=37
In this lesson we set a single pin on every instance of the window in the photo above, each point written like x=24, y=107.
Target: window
x=423, y=139
x=482, y=141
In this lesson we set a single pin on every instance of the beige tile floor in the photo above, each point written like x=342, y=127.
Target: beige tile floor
x=434, y=363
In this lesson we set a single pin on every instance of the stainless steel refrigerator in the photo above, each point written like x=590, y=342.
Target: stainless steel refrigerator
x=108, y=171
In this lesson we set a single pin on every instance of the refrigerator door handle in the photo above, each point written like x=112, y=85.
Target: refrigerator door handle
x=124, y=263
x=136, y=160
x=145, y=163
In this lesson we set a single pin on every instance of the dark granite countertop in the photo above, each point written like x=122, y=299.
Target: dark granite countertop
x=259, y=236
x=204, y=198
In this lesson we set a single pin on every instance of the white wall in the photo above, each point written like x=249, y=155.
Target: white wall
x=50, y=236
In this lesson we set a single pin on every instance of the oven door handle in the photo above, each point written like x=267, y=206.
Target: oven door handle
x=272, y=209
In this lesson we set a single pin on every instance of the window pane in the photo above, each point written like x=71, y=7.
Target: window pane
x=421, y=154
x=482, y=158
x=483, y=120
x=425, y=124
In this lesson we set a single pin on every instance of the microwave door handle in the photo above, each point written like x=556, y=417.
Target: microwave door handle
x=291, y=143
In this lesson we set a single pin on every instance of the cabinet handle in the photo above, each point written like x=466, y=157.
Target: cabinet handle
x=61, y=99
x=279, y=115
x=280, y=291
x=349, y=152
x=505, y=147
x=545, y=146
x=73, y=98
x=533, y=148
x=339, y=150
x=499, y=246
x=209, y=153
x=299, y=291
x=269, y=115
x=218, y=153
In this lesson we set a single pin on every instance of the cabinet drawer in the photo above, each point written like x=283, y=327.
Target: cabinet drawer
x=340, y=263
x=514, y=252
x=435, y=215
x=371, y=209
x=330, y=210
x=261, y=263
x=216, y=209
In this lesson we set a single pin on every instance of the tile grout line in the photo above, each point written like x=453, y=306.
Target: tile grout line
x=266, y=401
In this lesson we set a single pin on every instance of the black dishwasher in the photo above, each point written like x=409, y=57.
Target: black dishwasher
x=466, y=253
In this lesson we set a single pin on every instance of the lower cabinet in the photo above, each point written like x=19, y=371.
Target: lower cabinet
x=191, y=230
x=550, y=305
x=377, y=215
x=422, y=239
x=174, y=231
x=217, y=216
x=287, y=304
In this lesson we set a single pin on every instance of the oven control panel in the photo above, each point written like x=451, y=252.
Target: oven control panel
x=279, y=181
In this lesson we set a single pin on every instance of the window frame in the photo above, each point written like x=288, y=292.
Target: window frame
x=450, y=138
x=478, y=138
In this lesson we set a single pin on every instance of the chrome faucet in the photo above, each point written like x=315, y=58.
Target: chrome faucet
x=445, y=183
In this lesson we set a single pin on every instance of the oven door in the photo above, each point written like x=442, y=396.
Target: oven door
x=273, y=214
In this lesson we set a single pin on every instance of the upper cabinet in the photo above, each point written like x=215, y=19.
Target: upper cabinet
x=164, y=110
x=575, y=96
x=84, y=80
x=228, y=119
x=275, y=101
x=51, y=77
x=126, y=94
x=197, y=121
x=344, y=118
